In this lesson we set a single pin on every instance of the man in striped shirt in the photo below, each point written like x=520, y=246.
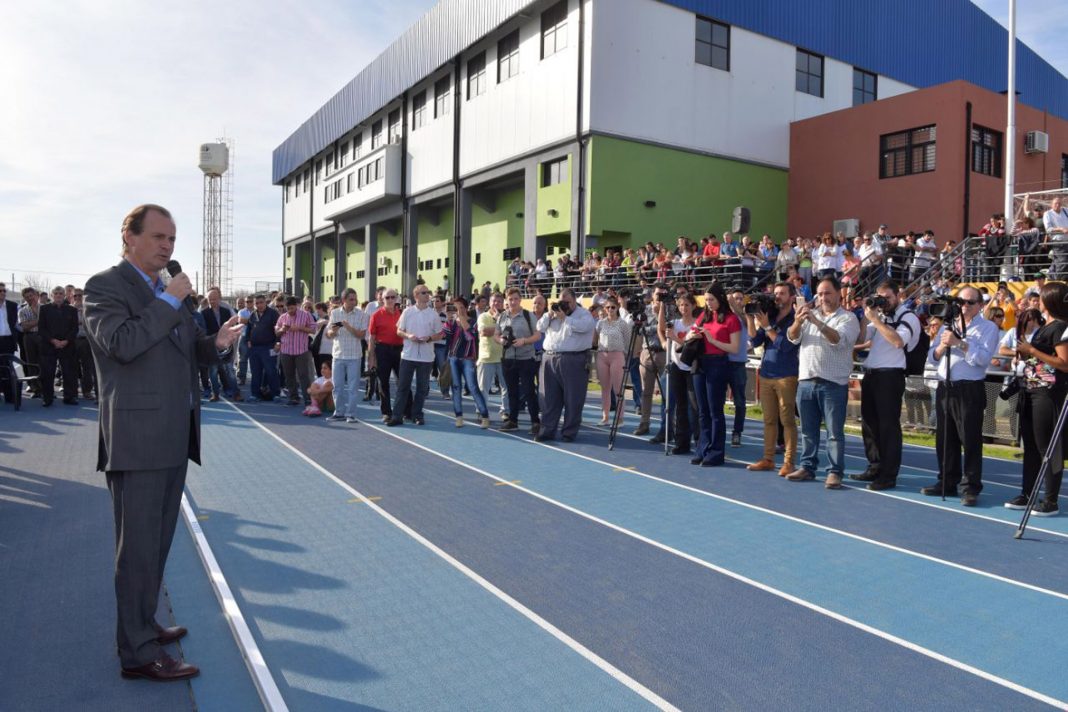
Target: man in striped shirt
x=292, y=329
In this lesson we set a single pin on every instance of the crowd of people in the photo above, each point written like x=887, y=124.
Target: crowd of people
x=807, y=327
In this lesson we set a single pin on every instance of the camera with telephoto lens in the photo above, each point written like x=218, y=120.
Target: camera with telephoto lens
x=945, y=308
x=508, y=337
x=635, y=306
x=760, y=304
x=877, y=302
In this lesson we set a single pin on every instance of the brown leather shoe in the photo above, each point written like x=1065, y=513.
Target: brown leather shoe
x=166, y=636
x=164, y=669
x=787, y=468
x=800, y=475
x=763, y=465
x=833, y=481
x=238, y=398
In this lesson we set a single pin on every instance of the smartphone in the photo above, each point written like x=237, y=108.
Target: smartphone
x=337, y=324
x=799, y=300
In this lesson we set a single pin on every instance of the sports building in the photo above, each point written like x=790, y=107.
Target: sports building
x=491, y=130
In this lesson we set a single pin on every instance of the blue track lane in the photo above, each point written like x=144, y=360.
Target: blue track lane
x=671, y=637
x=351, y=613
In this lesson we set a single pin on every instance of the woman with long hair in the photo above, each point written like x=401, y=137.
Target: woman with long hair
x=1044, y=383
x=721, y=330
x=461, y=344
x=613, y=337
x=682, y=400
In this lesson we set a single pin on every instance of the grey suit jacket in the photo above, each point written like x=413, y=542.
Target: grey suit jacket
x=147, y=355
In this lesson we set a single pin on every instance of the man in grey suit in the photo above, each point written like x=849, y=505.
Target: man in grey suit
x=147, y=349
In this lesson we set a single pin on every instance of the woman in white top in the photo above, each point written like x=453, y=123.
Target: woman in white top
x=613, y=337
x=682, y=400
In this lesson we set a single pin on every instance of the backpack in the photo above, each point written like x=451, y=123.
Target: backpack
x=916, y=357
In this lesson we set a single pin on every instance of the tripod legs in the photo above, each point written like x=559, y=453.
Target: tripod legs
x=1043, y=471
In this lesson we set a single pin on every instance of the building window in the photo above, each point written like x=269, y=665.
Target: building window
x=349, y=182
x=307, y=180
x=360, y=273
x=511, y=253
x=713, y=44
x=986, y=151
x=376, y=134
x=864, y=87
x=288, y=186
x=553, y=172
x=357, y=145
x=318, y=170
x=395, y=126
x=343, y=155
x=476, y=75
x=809, y=76
x=508, y=57
x=441, y=97
x=478, y=258
x=1064, y=170
x=907, y=152
x=554, y=29
x=419, y=110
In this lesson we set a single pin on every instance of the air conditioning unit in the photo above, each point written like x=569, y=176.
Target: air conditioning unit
x=383, y=261
x=1036, y=142
x=850, y=227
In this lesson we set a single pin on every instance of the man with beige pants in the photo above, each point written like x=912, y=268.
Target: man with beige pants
x=778, y=378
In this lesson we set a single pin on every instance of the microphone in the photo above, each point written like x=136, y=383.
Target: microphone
x=174, y=268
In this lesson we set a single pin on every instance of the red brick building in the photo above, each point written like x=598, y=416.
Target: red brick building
x=920, y=160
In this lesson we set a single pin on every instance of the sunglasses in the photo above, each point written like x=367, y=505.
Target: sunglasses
x=390, y=297
x=971, y=302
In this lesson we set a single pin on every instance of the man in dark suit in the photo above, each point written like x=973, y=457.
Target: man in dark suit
x=147, y=348
x=9, y=320
x=58, y=328
x=220, y=374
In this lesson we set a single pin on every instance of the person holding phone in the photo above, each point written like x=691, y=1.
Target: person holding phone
x=722, y=331
x=461, y=344
x=778, y=378
x=824, y=334
x=419, y=327
x=348, y=325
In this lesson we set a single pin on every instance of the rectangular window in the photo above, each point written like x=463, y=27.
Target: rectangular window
x=349, y=182
x=395, y=126
x=307, y=181
x=907, y=152
x=508, y=57
x=476, y=75
x=419, y=110
x=343, y=155
x=318, y=170
x=376, y=134
x=1064, y=170
x=554, y=29
x=511, y=253
x=553, y=172
x=713, y=44
x=439, y=263
x=357, y=145
x=441, y=97
x=288, y=186
x=478, y=258
x=986, y=151
x=360, y=273
x=378, y=169
x=864, y=87
x=809, y=75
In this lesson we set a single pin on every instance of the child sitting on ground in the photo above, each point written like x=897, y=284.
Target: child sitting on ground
x=322, y=392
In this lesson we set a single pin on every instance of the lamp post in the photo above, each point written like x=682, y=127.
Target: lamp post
x=1010, y=128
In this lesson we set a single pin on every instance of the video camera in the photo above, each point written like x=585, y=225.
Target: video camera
x=760, y=304
x=877, y=302
x=635, y=306
x=945, y=308
x=561, y=307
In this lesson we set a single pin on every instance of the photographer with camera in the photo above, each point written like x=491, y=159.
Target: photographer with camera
x=768, y=322
x=962, y=351
x=517, y=335
x=568, y=330
x=892, y=331
x=825, y=334
x=461, y=344
x=652, y=358
x=1043, y=366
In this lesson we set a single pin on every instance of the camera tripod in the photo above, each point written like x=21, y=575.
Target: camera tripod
x=960, y=334
x=637, y=332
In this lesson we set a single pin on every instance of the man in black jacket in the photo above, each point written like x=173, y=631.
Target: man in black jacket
x=9, y=319
x=262, y=356
x=221, y=374
x=58, y=327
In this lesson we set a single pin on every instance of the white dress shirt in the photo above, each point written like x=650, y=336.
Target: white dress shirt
x=971, y=364
x=882, y=353
x=419, y=322
x=572, y=334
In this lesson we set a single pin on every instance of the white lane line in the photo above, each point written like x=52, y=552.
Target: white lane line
x=257, y=667
x=866, y=491
x=618, y=675
x=741, y=577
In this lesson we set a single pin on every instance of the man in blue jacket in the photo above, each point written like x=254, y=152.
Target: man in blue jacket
x=261, y=339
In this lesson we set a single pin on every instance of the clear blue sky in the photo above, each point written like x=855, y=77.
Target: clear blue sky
x=107, y=101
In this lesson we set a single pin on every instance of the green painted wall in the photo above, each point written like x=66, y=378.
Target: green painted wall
x=492, y=233
x=435, y=243
x=327, y=285
x=558, y=198
x=354, y=264
x=305, y=267
x=389, y=246
x=694, y=194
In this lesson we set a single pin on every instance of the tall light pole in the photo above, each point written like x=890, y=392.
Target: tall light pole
x=1010, y=128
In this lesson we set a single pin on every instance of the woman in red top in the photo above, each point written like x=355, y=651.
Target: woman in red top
x=385, y=347
x=721, y=330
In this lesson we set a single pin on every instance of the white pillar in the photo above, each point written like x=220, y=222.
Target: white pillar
x=1010, y=128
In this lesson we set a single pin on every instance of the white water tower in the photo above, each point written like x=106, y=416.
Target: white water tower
x=218, y=214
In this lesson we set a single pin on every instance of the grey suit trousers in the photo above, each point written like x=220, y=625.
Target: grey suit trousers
x=146, y=504
x=562, y=388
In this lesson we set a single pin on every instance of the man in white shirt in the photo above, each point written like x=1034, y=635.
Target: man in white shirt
x=825, y=336
x=871, y=258
x=419, y=326
x=924, y=253
x=892, y=331
x=347, y=328
x=568, y=333
x=1055, y=221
